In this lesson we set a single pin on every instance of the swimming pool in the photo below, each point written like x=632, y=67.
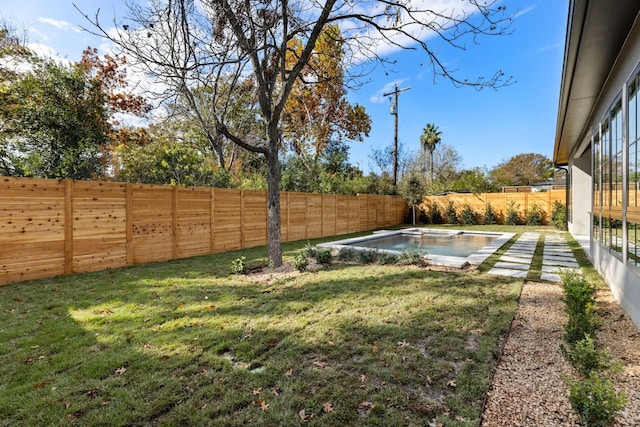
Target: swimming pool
x=452, y=248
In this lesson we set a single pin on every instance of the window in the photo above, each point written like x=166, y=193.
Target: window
x=633, y=174
x=597, y=194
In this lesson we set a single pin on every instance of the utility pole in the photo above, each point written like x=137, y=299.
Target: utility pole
x=394, y=112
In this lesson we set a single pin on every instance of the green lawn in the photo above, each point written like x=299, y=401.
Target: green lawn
x=187, y=343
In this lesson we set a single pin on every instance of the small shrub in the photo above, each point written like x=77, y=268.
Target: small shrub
x=585, y=357
x=239, y=265
x=323, y=256
x=450, y=213
x=579, y=298
x=385, y=258
x=422, y=217
x=489, y=216
x=595, y=400
x=347, y=254
x=535, y=215
x=468, y=216
x=300, y=262
x=411, y=258
x=559, y=216
x=367, y=257
x=512, y=217
x=435, y=216
x=310, y=251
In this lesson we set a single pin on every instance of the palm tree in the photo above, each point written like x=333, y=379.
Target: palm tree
x=430, y=137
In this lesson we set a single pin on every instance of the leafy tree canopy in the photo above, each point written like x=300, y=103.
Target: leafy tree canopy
x=522, y=169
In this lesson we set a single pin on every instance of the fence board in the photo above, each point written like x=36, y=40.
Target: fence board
x=32, y=228
x=152, y=227
x=342, y=214
x=314, y=216
x=297, y=216
x=53, y=227
x=328, y=215
x=354, y=214
x=193, y=221
x=99, y=219
x=520, y=201
x=254, y=218
x=227, y=220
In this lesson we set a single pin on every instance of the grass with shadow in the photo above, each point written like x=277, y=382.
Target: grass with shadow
x=187, y=343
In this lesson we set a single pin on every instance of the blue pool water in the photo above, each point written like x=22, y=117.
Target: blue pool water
x=457, y=245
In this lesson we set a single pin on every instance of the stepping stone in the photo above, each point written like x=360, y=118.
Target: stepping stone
x=511, y=266
x=508, y=272
x=557, y=269
x=532, y=249
x=550, y=277
x=559, y=253
x=560, y=257
x=518, y=259
x=558, y=262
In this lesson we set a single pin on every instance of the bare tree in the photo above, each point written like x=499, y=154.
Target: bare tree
x=186, y=44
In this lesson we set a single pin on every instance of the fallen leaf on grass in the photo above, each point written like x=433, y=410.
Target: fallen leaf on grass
x=403, y=343
x=304, y=416
x=327, y=407
x=262, y=404
x=452, y=383
x=41, y=384
x=363, y=378
x=257, y=391
x=121, y=370
x=165, y=357
x=275, y=391
x=288, y=373
x=365, y=408
x=319, y=364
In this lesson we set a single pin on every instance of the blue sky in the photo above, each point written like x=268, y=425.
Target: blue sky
x=485, y=127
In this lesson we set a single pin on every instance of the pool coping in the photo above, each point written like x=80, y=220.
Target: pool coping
x=476, y=258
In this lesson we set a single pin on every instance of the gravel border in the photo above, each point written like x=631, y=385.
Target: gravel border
x=527, y=387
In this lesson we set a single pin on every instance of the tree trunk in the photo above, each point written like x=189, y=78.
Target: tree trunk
x=274, y=248
x=431, y=168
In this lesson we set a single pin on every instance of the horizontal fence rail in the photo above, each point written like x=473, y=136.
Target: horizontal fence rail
x=54, y=227
x=521, y=202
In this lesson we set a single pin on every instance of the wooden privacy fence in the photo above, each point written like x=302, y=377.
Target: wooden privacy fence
x=54, y=227
x=500, y=202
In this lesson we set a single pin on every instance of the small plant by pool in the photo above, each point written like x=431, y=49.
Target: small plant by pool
x=452, y=248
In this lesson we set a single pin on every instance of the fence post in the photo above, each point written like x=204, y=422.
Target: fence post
x=242, y=220
x=174, y=222
x=129, y=222
x=68, y=226
x=212, y=220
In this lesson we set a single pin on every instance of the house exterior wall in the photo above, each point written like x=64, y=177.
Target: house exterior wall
x=581, y=202
x=610, y=175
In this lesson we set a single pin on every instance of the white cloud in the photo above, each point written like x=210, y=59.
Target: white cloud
x=519, y=13
x=45, y=51
x=545, y=49
x=61, y=25
x=379, y=98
